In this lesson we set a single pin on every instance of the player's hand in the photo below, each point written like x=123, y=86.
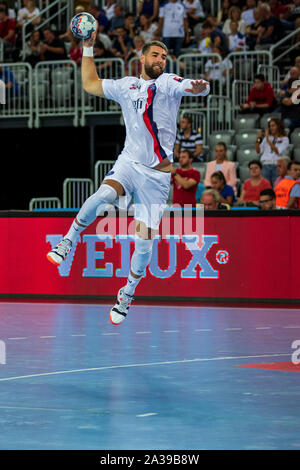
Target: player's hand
x=198, y=86
x=91, y=41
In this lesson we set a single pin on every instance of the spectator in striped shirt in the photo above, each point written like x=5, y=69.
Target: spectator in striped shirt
x=189, y=139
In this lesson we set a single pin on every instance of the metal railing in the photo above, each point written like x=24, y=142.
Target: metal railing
x=240, y=93
x=41, y=203
x=76, y=191
x=93, y=105
x=195, y=66
x=56, y=90
x=245, y=65
x=60, y=10
x=284, y=42
x=1, y=50
x=18, y=98
x=219, y=113
x=101, y=168
x=272, y=73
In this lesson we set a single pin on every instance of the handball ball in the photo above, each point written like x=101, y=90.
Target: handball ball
x=83, y=25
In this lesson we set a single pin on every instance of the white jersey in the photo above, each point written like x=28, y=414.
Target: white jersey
x=149, y=110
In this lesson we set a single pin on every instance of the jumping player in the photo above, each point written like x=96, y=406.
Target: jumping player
x=149, y=105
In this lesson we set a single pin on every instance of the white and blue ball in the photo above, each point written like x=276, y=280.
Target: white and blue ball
x=83, y=25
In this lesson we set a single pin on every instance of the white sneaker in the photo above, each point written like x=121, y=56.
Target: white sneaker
x=60, y=252
x=119, y=311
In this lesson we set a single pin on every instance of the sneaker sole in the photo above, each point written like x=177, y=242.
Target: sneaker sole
x=112, y=321
x=49, y=258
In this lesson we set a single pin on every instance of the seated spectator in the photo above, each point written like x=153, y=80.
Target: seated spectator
x=293, y=74
x=282, y=166
x=150, y=8
x=11, y=85
x=123, y=44
x=236, y=40
x=109, y=9
x=253, y=30
x=216, y=36
x=221, y=163
x=129, y=25
x=248, y=12
x=211, y=201
x=294, y=11
x=139, y=43
x=261, y=98
x=222, y=14
x=33, y=48
x=216, y=70
x=103, y=21
x=173, y=25
x=189, y=139
x=117, y=21
x=7, y=32
x=66, y=36
x=288, y=189
x=277, y=9
x=185, y=180
x=285, y=81
x=271, y=144
x=76, y=50
x=271, y=29
x=267, y=200
x=52, y=48
x=10, y=11
x=147, y=29
x=29, y=12
x=194, y=11
x=253, y=186
x=290, y=106
x=235, y=14
x=226, y=191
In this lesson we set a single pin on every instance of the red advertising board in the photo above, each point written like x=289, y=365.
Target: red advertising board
x=236, y=258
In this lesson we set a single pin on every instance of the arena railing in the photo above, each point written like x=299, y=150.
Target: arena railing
x=44, y=203
x=93, y=105
x=101, y=168
x=272, y=72
x=76, y=191
x=56, y=90
x=18, y=98
x=245, y=65
x=193, y=66
x=219, y=113
x=61, y=10
x=1, y=50
x=286, y=41
x=239, y=95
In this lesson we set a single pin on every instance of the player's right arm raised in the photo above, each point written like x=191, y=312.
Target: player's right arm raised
x=90, y=80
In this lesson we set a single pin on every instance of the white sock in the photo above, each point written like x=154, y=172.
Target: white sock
x=74, y=232
x=132, y=282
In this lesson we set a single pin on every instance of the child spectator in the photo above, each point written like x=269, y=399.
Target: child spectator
x=237, y=40
x=252, y=187
x=218, y=182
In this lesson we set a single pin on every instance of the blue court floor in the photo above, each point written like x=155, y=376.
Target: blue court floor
x=167, y=378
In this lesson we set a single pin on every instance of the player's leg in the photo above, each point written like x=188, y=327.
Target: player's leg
x=144, y=238
x=107, y=193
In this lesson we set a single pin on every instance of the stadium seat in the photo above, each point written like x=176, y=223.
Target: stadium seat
x=200, y=166
x=244, y=173
x=42, y=75
x=246, y=121
x=266, y=118
x=295, y=136
x=297, y=154
x=221, y=136
x=289, y=151
x=246, y=154
x=246, y=137
x=60, y=75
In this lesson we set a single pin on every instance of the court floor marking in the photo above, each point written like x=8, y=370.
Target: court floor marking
x=122, y=366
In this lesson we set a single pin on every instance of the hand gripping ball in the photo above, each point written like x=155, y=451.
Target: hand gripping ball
x=83, y=25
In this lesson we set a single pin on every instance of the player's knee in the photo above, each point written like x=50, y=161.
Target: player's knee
x=143, y=245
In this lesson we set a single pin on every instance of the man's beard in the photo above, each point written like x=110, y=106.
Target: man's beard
x=153, y=72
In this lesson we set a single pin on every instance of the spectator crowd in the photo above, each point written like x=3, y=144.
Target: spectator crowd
x=239, y=25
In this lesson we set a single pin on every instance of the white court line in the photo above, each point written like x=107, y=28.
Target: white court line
x=146, y=415
x=78, y=335
x=123, y=366
x=42, y=337
x=232, y=329
x=143, y=332
x=18, y=338
x=171, y=331
x=263, y=328
x=204, y=329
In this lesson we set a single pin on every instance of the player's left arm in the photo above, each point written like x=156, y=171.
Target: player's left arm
x=198, y=87
x=177, y=86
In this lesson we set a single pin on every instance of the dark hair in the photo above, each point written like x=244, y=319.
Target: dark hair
x=129, y=14
x=154, y=43
x=255, y=162
x=292, y=162
x=219, y=175
x=99, y=45
x=259, y=76
x=4, y=7
x=223, y=145
x=268, y=192
x=207, y=25
x=190, y=155
x=188, y=118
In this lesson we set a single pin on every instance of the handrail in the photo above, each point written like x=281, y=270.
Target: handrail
x=69, y=7
x=282, y=41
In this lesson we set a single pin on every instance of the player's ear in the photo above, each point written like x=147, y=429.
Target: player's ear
x=142, y=59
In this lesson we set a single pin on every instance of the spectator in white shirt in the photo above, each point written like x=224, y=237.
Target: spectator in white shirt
x=248, y=14
x=147, y=29
x=216, y=70
x=194, y=11
x=237, y=40
x=271, y=144
x=173, y=25
x=236, y=15
x=29, y=12
x=109, y=9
